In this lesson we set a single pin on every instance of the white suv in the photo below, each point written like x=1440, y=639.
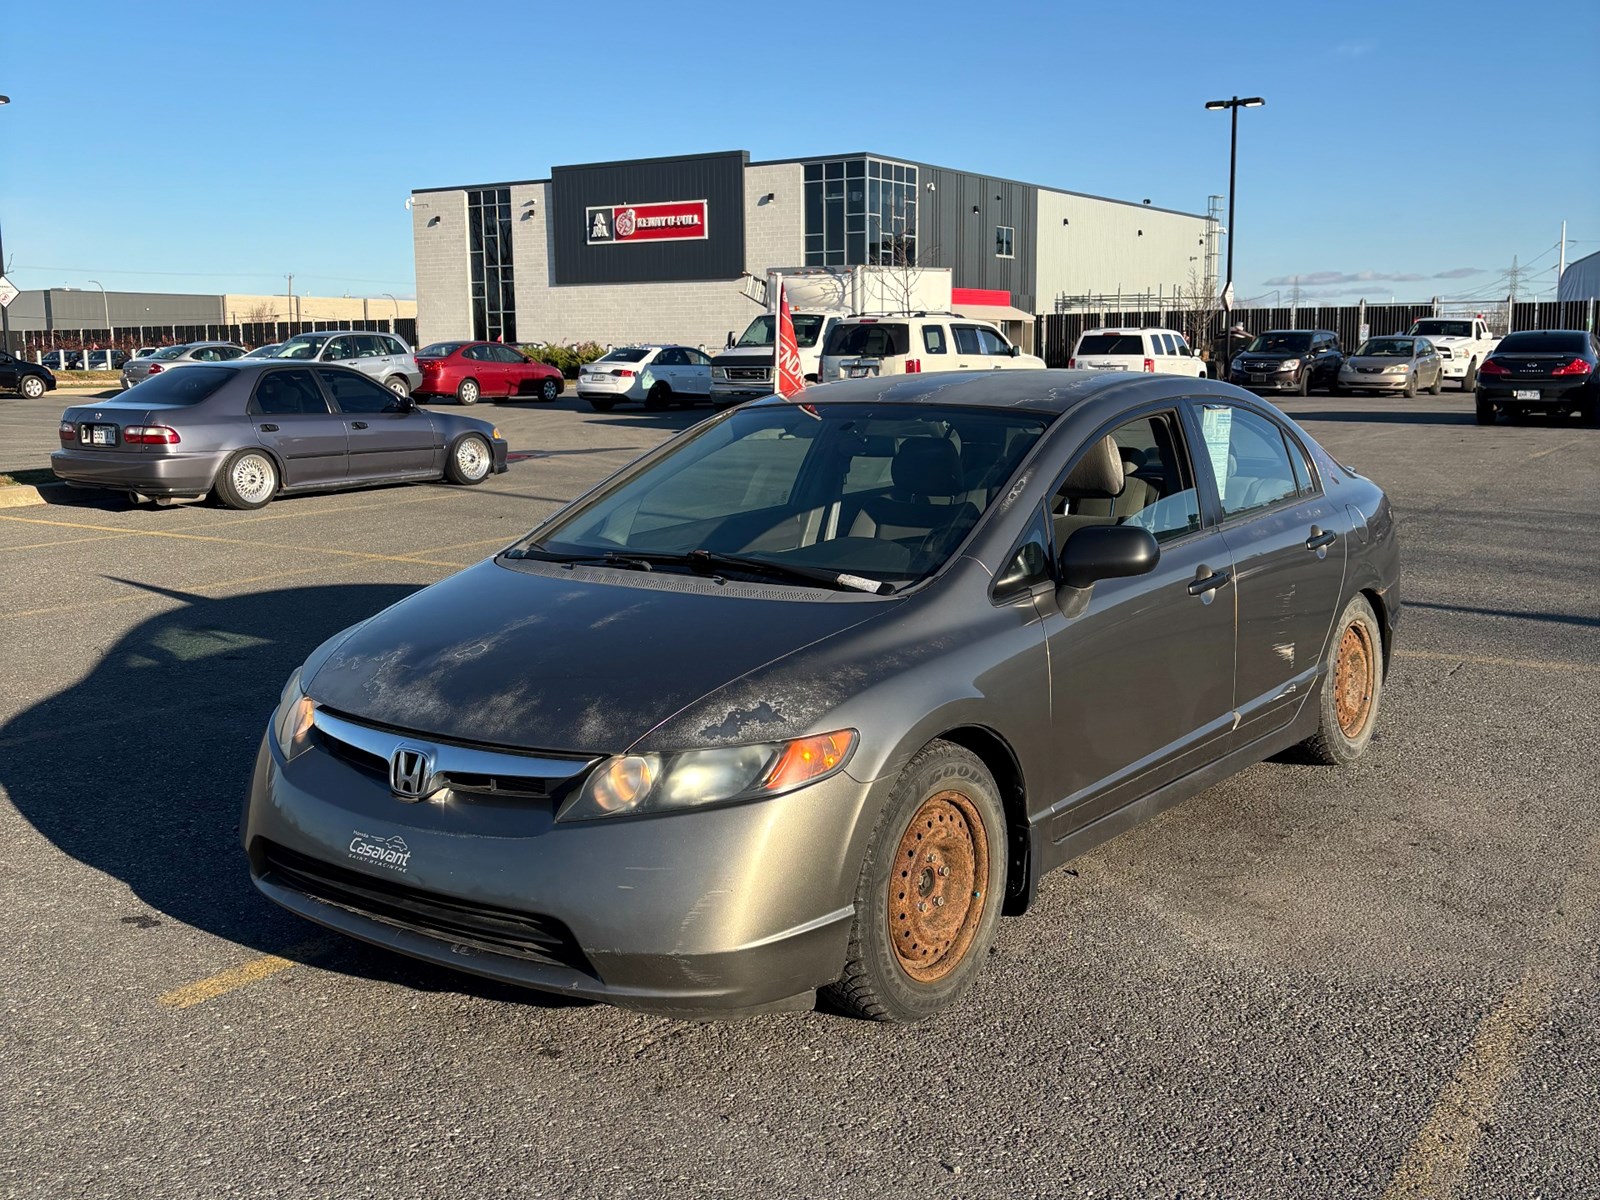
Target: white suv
x=1162, y=351
x=909, y=343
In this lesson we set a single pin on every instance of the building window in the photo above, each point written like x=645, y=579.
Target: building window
x=860, y=211
x=1005, y=237
x=494, y=300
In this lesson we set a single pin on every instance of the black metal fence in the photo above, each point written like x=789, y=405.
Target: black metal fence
x=1057, y=334
x=250, y=333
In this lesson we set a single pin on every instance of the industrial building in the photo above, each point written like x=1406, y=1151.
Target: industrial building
x=656, y=249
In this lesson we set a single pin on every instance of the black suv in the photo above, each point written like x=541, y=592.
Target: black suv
x=25, y=378
x=1289, y=360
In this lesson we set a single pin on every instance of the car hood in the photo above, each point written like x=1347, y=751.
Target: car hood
x=536, y=657
x=1376, y=360
x=1276, y=355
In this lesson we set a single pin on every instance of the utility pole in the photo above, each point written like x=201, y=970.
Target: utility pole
x=290, y=311
x=1561, y=261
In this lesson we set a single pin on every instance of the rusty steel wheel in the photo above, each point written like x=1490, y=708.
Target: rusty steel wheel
x=1353, y=679
x=1352, y=687
x=930, y=890
x=937, y=895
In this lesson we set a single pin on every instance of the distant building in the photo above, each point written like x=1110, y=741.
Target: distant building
x=1581, y=279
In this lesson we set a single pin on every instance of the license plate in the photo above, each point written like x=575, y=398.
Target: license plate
x=1525, y=395
x=1257, y=378
x=97, y=435
x=860, y=372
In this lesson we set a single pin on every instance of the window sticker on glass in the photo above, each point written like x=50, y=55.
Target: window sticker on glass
x=1216, y=426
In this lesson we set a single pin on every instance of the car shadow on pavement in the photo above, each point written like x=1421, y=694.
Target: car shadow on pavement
x=1386, y=416
x=140, y=769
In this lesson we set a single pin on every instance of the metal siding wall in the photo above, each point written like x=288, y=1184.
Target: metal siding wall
x=716, y=178
x=1102, y=249
x=965, y=242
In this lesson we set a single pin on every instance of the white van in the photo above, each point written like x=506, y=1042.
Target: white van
x=1160, y=351
x=909, y=343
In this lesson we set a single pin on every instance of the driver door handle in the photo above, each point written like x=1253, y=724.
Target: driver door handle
x=1210, y=583
x=1318, y=539
x=358, y=424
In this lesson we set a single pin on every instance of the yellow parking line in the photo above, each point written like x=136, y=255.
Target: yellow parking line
x=99, y=537
x=234, y=978
x=1485, y=660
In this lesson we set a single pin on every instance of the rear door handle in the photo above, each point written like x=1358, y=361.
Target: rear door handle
x=358, y=424
x=1210, y=583
x=269, y=429
x=1318, y=539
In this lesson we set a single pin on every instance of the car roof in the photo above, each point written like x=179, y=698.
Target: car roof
x=1129, y=329
x=1049, y=390
x=1266, y=332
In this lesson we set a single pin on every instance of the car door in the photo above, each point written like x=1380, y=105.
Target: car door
x=483, y=368
x=1141, y=677
x=388, y=438
x=1288, y=542
x=341, y=351
x=697, y=374
x=668, y=366
x=10, y=373
x=293, y=420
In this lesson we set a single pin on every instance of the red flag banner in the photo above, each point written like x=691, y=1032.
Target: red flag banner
x=790, y=376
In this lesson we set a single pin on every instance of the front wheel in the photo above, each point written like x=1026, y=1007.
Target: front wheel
x=1438, y=384
x=32, y=387
x=1352, y=685
x=1305, y=382
x=549, y=390
x=470, y=460
x=248, y=480
x=1470, y=380
x=468, y=392
x=930, y=892
x=1410, y=389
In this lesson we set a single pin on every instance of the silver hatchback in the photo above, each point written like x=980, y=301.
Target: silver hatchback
x=382, y=356
x=137, y=370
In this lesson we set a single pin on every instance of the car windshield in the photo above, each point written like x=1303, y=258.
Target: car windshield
x=263, y=352
x=1443, y=328
x=626, y=354
x=1543, y=343
x=1111, y=343
x=189, y=386
x=440, y=349
x=807, y=329
x=167, y=353
x=1266, y=343
x=1386, y=348
x=301, y=347
x=882, y=492
x=875, y=339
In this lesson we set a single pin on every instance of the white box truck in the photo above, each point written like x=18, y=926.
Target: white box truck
x=818, y=297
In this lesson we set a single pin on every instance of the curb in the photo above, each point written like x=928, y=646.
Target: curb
x=21, y=495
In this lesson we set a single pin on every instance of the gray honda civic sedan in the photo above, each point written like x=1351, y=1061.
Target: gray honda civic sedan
x=811, y=695
x=252, y=429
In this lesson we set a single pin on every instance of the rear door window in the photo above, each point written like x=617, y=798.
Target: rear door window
x=933, y=339
x=287, y=393
x=1249, y=459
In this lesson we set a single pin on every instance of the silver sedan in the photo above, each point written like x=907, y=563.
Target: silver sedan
x=137, y=370
x=1406, y=365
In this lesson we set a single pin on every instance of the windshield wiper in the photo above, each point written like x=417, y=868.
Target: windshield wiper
x=609, y=559
x=707, y=559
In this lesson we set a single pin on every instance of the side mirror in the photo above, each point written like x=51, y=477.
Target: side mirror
x=1016, y=350
x=407, y=403
x=1107, y=552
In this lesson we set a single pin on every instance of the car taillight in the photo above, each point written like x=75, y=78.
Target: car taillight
x=156, y=368
x=1490, y=367
x=69, y=431
x=1150, y=365
x=151, y=435
x=623, y=374
x=913, y=366
x=1576, y=367
x=1072, y=362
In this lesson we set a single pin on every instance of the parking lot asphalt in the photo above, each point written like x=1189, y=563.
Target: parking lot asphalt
x=1305, y=982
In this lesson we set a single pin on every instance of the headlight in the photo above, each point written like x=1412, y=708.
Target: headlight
x=643, y=783
x=291, y=724
x=1400, y=370
x=1237, y=364
x=1289, y=364
x=719, y=373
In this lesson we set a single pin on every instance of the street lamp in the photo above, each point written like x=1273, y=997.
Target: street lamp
x=112, y=335
x=1235, y=104
x=396, y=303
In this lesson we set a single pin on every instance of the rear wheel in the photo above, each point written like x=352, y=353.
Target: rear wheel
x=398, y=385
x=930, y=891
x=468, y=392
x=549, y=390
x=1589, y=411
x=470, y=460
x=32, y=387
x=248, y=480
x=1351, y=687
x=1485, y=411
x=659, y=396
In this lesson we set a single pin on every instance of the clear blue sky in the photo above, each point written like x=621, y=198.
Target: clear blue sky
x=216, y=147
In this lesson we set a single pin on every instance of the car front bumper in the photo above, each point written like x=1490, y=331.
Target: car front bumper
x=1374, y=383
x=730, y=910
x=1266, y=381
x=130, y=471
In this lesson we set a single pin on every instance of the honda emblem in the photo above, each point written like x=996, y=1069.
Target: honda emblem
x=410, y=772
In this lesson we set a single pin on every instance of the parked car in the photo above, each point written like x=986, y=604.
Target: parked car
x=472, y=370
x=62, y=360
x=26, y=379
x=1542, y=370
x=383, y=356
x=1462, y=342
x=250, y=430
x=1401, y=364
x=1289, y=360
x=168, y=358
x=655, y=376
x=1159, y=351
x=911, y=343
x=270, y=350
x=966, y=627
x=101, y=360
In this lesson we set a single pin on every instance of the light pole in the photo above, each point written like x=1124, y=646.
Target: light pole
x=112, y=329
x=1235, y=104
x=5, y=312
x=396, y=303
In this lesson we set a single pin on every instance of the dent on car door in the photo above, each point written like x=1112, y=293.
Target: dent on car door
x=1288, y=540
x=1142, y=667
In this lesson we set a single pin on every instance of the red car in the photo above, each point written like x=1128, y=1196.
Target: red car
x=470, y=371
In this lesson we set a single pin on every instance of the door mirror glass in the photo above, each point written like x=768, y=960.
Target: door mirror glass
x=1107, y=552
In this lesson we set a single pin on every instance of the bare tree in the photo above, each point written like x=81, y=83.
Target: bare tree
x=1196, y=310
x=261, y=312
x=901, y=254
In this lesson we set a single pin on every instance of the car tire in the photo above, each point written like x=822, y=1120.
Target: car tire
x=248, y=480
x=1410, y=390
x=1438, y=384
x=549, y=390
x=1352, y=688
x=600, y=405
x=468, y=392
x=398, y=385
x=1305, y=382
x=1589, y=412
x=941, y=837
x=659, y=397
x=1469, y=381
x=31, y=387
x=471, y=460
x=1485, y=411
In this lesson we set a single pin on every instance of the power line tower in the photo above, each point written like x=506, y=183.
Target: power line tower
x=1514, y=279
